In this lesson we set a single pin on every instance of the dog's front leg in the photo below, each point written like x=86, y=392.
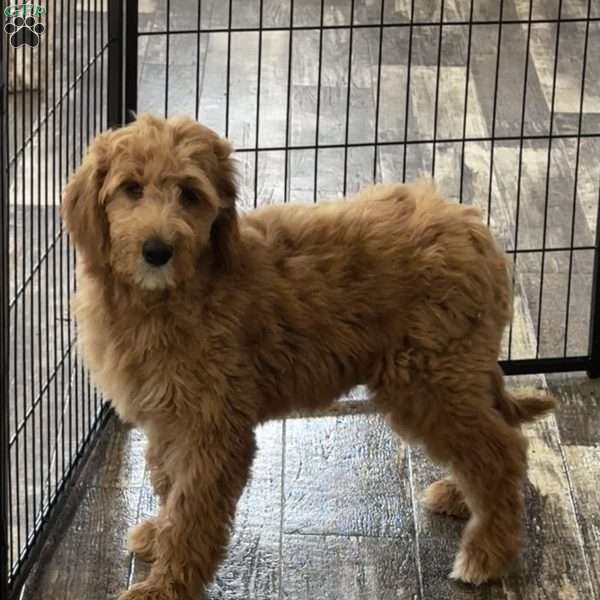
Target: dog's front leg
x=142, y=537
x=193, y=526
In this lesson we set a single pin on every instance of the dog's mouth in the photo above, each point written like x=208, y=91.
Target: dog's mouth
x=154, y=277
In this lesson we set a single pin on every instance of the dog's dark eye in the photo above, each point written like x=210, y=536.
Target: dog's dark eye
x=133, y=189
x=189, y=196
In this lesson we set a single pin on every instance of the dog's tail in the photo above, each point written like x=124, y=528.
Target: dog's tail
x=524, y=406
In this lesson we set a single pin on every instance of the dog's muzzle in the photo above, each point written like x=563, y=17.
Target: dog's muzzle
x=156, y=252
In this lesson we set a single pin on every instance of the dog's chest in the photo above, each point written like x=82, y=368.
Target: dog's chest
x=142, y=366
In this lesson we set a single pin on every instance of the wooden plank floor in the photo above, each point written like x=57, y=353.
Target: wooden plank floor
x=333, y=512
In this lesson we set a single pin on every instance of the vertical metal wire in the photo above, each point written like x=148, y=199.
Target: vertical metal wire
x=48, y=206
x=378, y=91
x=288, y=117
x=407, y=105
x=348, y=95
x=79, y=396
x=318, y=108
x=520, y=167
x=228, y=83
x=131, y=59
x=258, y=78
x=70, y=135
x=35, y=377
x=167, y=56
x=24, y=242
x=437, y=89
x=114, y=73
x=198, y=27
x=86, y=408
x=5, y=477
x=15, y=368
x=54, y=323
x=104, y=119
x=464, y=123
x=61, y=282
x=95, y=94
x=594, y=343
x=494, y=107
x=576, y=173
x=547, y=192
x=39, y=398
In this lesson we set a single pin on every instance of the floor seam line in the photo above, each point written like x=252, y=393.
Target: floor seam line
x=282, y=507
x=415, y=523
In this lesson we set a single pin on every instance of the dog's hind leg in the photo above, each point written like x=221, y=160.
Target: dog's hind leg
x=486, y=456
x=445, y=497
x=489, y=464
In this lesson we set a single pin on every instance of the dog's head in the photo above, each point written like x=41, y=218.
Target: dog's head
x=152, y=200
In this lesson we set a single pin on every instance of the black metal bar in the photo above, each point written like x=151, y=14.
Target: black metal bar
x=547, y=191
x=423, y=142
x=131, y=59
x=48, y=203
x=593, y=368
x=115, y=63
x=258, y=78
x=228, y=75
x=437, y=88
x=288, y=106
x=520, y=167
x=465, y=112
x=22, y=326
x=407, y=97
x=167, y=56
x=397, y=25
x=4, y=323
x=378, y=92
x=133, y=35
x=494, y=108
x=38, y=338
x=576, y=176
x=318, y=107
x=13, y=362
x=346, y=145
x=55, y=177
x=531, y=366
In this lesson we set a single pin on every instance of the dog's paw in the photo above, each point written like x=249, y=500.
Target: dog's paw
x=141, y=538
x=476, y=566
x=147, y=591
x=444, y=497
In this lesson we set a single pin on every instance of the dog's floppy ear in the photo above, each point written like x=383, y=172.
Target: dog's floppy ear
x=82, y=210
x=224, y=234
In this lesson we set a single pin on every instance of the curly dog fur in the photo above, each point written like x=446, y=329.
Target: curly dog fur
x=286, y=309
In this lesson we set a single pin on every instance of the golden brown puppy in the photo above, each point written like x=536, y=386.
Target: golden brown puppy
x=199, y=324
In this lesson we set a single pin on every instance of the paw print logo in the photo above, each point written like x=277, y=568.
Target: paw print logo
x=24, y=31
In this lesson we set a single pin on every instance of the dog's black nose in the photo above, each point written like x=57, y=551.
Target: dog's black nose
x=156, y=252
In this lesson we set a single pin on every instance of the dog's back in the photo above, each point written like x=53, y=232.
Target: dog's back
x=395, y=267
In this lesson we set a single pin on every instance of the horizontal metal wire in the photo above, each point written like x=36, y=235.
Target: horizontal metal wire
x=404, y=24
x=56, y=105
x=41, y=394
x=421, y=141
x=36, y=268
x=36, y=536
